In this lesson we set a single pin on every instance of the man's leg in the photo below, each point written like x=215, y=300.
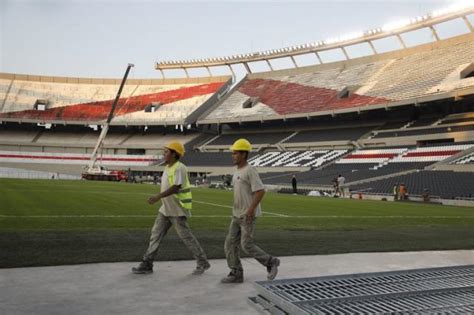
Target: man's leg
x=159, y=230
x=184, y=232
x=232, y=253
x=249, y=246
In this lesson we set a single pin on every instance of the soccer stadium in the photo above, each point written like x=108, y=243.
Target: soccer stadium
x=367, y=162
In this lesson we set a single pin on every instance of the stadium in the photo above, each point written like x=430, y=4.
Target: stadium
x=397, y=125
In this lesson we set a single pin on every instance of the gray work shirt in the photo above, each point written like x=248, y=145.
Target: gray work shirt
x=246, y=181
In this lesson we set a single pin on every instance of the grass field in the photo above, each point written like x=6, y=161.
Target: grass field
x=45, y=222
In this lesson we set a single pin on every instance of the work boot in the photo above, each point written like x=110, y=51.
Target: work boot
x=234, y=277
x=272, y=268
x=200, y=268
x=144, y=267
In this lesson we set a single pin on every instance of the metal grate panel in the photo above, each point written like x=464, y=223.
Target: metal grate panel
x=446, y=289
x=445, y=301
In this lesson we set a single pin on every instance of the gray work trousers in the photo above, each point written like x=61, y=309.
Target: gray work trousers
x=161, y=227
x=241, y=236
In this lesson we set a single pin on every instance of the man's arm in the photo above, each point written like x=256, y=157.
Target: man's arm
x=168, y=192
x=257, y=197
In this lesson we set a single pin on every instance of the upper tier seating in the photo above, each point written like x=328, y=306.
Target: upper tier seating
x=420, y=72
x=92, y=102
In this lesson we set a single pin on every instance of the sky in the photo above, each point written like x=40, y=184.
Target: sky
x=85, y=38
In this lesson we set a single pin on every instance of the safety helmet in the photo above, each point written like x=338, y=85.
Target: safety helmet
x=176, y=147
x=241, y=145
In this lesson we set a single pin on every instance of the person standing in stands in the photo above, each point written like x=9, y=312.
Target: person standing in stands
x=176, y=207
x=248, y=193
x=294, y=183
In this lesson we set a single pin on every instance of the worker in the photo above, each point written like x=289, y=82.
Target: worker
x=248, y=193
x=176, y=207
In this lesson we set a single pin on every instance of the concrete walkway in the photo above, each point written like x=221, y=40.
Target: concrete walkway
x=112, y=288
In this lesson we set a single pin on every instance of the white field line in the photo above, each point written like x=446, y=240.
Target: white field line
x=228, y=216
x=225, y=206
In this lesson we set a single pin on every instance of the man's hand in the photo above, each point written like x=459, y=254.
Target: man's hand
x=250, y=216
x=154, y=199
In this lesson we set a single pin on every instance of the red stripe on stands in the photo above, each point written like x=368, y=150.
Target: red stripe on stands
x=291, y=98
x=432, y=153
x=73, y=158
x=371, y=156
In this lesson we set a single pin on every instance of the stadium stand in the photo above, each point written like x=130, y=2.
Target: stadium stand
x=71, y=158
x=389, y=78
x=467, y=159
x=329, y=135
x=358, y=165
x=296, y=158
x=424, y=131
x=211, y=159
x=446, y=184
x=255, y=138
x=74, y=99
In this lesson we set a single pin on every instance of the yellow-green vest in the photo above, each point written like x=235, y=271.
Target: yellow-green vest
x=184, y=196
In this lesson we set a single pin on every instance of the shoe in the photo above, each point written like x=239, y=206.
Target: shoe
x=272, y=268
x=144, y=267
x=201, y=268
x=234, y=277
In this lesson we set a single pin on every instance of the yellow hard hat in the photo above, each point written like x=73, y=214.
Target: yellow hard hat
x=241, y=145
x=177, y=147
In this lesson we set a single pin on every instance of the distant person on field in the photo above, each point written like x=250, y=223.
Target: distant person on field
x=294, y=183
x=335, y=186
x=402, y=191
x=176, y=199
x=248, y=193
x=426, y=195
x=395, y=192
x=340, y=185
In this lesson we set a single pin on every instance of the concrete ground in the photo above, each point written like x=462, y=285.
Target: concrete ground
x=111, y=287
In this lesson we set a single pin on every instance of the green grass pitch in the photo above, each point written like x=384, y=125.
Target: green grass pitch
x=46, y=222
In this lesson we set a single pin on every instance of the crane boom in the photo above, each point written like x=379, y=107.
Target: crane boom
x=105, y=128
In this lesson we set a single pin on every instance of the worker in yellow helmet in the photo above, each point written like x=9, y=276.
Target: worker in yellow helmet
x=248, y=193
x=176, y=199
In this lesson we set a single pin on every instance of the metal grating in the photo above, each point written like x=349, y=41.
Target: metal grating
x=449, y=289
x=445, y=301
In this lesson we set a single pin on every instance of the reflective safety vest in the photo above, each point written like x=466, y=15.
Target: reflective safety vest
x=184, y=196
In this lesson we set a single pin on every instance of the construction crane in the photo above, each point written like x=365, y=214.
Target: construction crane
x=97, y=172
